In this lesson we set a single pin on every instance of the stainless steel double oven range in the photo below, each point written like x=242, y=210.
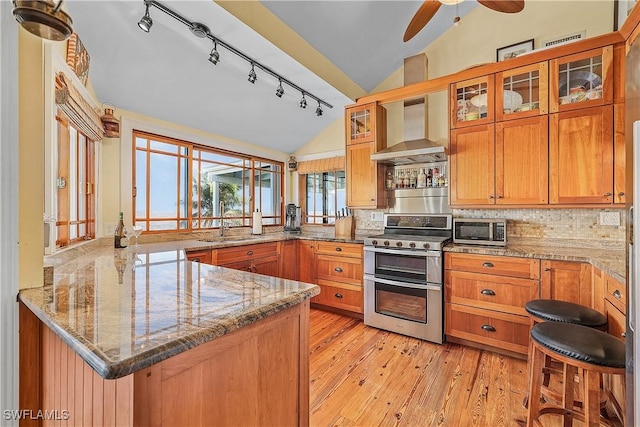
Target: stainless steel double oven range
x=403, y=275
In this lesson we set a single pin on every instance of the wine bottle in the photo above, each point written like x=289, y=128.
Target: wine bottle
x=120, y=240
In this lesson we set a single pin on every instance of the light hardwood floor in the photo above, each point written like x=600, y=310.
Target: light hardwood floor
x=362, y=376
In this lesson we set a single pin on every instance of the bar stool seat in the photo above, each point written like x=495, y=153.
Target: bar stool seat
x=585, y=353
x=566, y=312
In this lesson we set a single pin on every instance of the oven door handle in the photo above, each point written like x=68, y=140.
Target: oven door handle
x=403, y=252
x=403, y=284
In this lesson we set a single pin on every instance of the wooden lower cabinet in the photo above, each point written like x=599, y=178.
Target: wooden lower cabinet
x=256, y=375
x=307, y=261
x=203, y=256
x=485, y=298
x=289, y=259
x=261, y=258
x=567, y=281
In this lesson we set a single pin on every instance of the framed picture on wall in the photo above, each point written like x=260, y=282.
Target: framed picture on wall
x=621, y=9
x=513, y=50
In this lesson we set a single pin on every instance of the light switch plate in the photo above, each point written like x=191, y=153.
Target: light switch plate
x=376, y=216
x=610, y=218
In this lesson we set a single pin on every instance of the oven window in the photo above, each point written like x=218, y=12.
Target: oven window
x=401, y=302
x=408, y=268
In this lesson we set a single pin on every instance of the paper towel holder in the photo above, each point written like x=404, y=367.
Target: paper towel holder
x=256, y=225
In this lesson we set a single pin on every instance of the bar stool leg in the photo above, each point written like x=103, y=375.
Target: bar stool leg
x=591, y=398
x=568, y=391
x=535, y=386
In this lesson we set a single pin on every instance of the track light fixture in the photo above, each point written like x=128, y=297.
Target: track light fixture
x=214, y=56
x=202, y=31
x=146, y=22
x=280, y=90
x=252, y=75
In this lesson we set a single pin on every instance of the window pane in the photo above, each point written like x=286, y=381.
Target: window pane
x=163, y=146
x=141, y=184
x=141, y=142
x=72, y=182
x=341, y=189
x=82, y=182
x=163, y=180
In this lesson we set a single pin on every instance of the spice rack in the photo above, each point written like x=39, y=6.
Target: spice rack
x=428, y=175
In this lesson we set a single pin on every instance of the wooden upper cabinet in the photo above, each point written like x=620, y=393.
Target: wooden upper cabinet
x=361, y=123
x=522, y=159
x=581, y=156
x=522, y=92
x=471, y=165
x=472, y=102
x=581, y=80
x=619, y=155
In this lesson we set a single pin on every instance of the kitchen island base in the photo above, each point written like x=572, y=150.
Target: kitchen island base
x=256, y=375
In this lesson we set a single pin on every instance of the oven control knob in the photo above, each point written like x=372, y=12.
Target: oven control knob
x=386, y=243
x=374, y=242
x=426, y=246
x=399, y=244
x=412, y=245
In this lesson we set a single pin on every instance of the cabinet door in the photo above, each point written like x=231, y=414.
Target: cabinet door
x=598, y=291
x=269, y=266
x=581, y=156
x=364, y=189
x=472, y=102
x=361, y=123
x=245, y=265
x=581, y=80
x=203, y=256
x=307, y=261
x=522, y=92
x=566, y=281
x=619, y=154
x=472, y=166
x=289, y=260
x=522, y=153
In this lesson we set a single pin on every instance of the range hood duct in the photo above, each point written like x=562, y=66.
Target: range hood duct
x=416, y=148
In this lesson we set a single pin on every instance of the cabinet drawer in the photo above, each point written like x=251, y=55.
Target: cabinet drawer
x=506, y=331
x=507, y=294
x=353, y=250
x=239, y=253
x=499, y=265
x=339, y=269
x=616, y=293
x=203, y=256
x=616, y=321
x=338, y=295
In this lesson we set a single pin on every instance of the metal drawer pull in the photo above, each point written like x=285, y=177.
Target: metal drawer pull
x=249, y=252
x=617, y=294
x=338, y=295
x=195, y=260
x=608, y=194
x=338, y=269
x=338, y=249
x=488, y=328
x=623, y=335
x=487, y=292
x=487, y=264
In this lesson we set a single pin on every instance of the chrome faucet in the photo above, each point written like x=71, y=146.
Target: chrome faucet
x=222, y=224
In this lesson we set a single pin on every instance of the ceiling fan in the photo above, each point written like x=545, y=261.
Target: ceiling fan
x=430, y=7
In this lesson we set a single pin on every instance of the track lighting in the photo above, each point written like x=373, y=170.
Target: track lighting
x=280, y=90
x=202, y=31
x=214, y=56
x=145, y=22
x=252, y=75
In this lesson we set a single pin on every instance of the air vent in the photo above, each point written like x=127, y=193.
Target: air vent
x=580, y=35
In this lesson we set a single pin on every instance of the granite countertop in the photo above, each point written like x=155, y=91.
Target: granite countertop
x=123, y=310
x=610, y=261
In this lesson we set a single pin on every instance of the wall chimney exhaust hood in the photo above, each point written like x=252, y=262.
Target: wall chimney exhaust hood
x=414, y=151
x=416, y=147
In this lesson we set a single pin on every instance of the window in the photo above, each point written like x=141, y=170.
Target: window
x=179, y=186
x=75, y=195
x=325, y=196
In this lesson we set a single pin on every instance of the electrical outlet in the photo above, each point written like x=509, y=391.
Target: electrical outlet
x=376, y=216
x=610, y=218
x=109, y=228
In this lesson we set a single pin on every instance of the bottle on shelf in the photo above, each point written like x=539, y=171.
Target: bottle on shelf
x=405, y=179
x=429, y=178
x=389, y=182
x=413, y=179
x=422, y=179
x=120, y=240
x=435, y=177
x=398, y=180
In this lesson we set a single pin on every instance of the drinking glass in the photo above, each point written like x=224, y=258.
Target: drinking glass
x=136, y=231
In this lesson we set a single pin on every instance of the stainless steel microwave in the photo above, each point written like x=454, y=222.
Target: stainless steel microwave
x=478, y=231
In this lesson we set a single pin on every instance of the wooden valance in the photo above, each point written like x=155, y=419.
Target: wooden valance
x=329, y=164
x=78, y=109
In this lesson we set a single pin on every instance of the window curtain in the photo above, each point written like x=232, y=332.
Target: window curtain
x=79, y=111
x=329, y=164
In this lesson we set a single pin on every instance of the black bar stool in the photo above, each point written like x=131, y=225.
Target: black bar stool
x=585, y=353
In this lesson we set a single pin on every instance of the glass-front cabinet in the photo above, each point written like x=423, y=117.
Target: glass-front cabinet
x=581, y=80
x=472, y=102
x=522, y=92
x=361, y=124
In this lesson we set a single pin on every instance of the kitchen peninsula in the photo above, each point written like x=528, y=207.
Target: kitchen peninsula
x=150, y=338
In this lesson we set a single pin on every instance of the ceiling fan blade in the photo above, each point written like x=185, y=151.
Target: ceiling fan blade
x=504, y=6
x=421, y=18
